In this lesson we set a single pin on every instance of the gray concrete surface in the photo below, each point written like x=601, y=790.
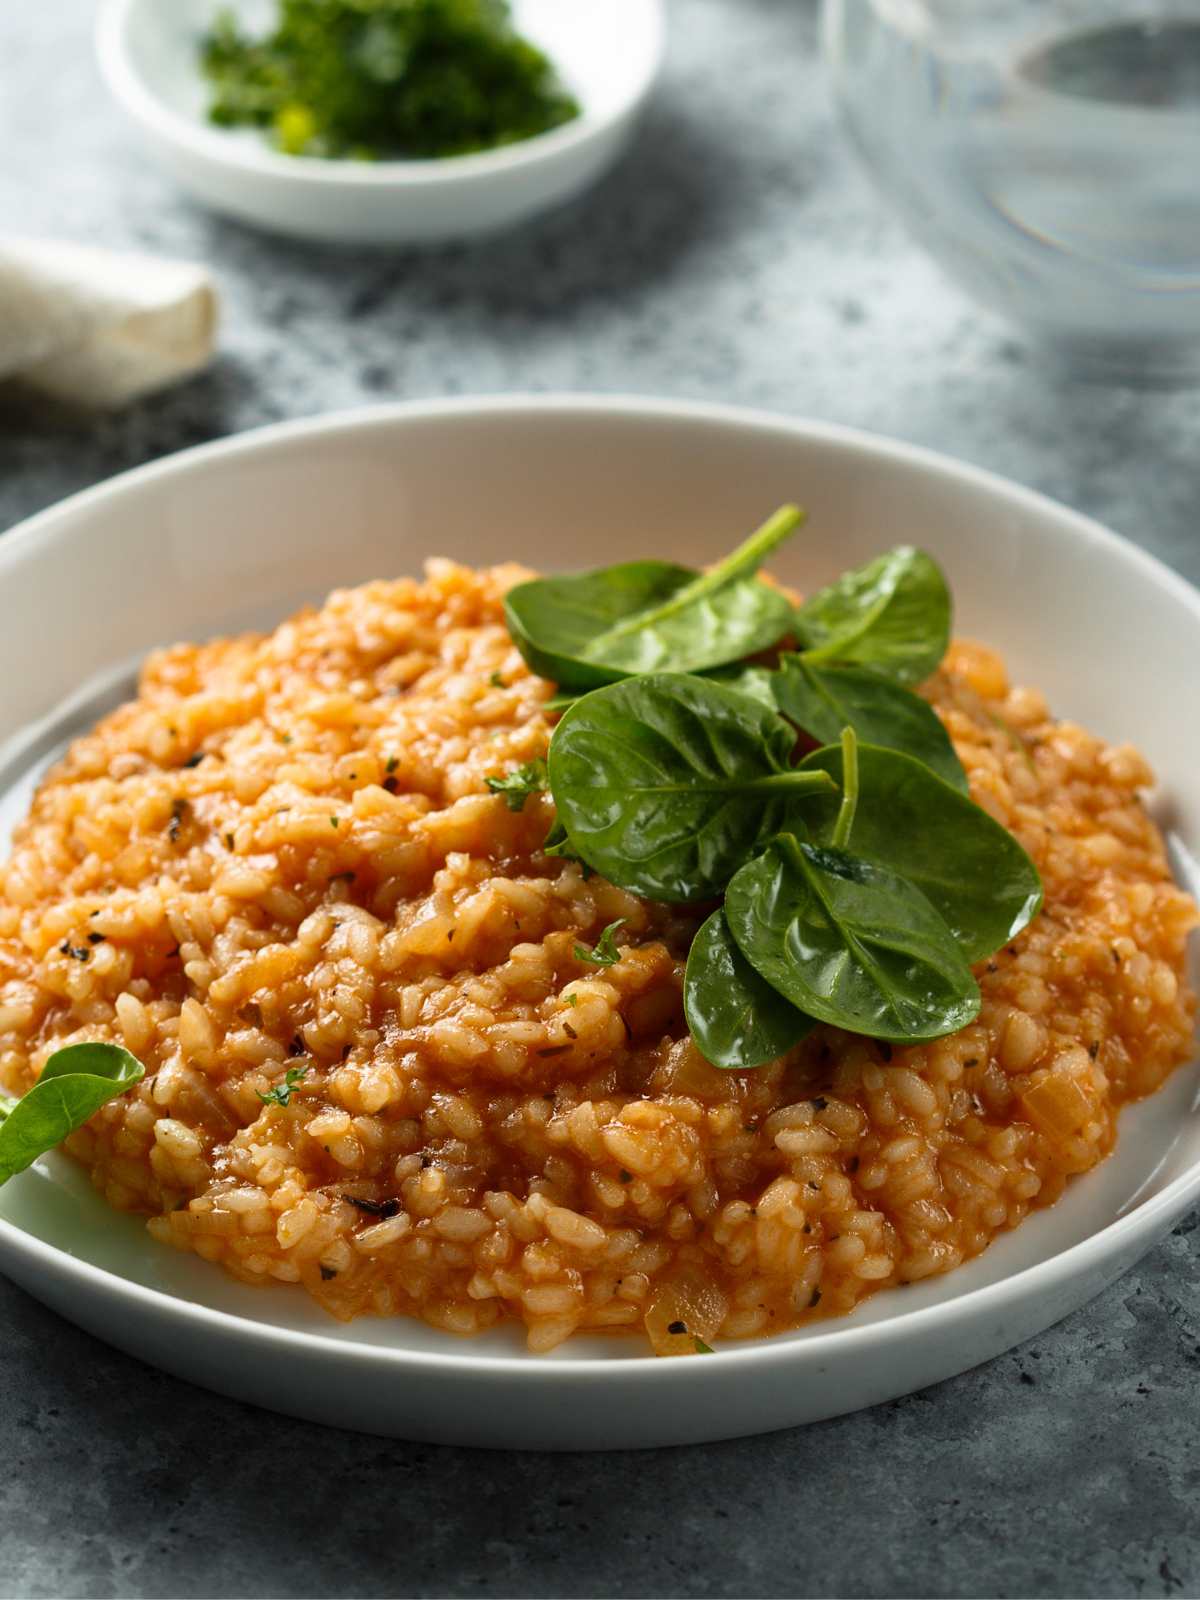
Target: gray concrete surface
x=737, y=255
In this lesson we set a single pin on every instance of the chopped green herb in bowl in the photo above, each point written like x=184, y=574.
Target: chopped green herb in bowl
x=373, y=79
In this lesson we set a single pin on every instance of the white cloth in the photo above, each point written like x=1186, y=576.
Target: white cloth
x=98, y=329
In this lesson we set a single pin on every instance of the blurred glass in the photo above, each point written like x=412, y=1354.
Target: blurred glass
x=1047, y=152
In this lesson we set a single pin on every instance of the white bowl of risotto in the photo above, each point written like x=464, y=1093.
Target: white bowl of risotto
x=499, y=1182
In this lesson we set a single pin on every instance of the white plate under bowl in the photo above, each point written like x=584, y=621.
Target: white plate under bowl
x=239, y=533
x=607, y=52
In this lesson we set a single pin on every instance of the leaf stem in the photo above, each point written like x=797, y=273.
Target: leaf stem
x=845, y=818
x=741, y=563
x=795, y=779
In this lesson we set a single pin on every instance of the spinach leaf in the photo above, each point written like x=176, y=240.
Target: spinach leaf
x=850, y=943
x=651, y=616
x=666, y=784
x=892, y=614
x=910, y=822
x=753, y=680
x=75, y=1082
x=737, y=1020
x=825, y=699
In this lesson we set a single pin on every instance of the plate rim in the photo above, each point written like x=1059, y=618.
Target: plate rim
x=464, y=1359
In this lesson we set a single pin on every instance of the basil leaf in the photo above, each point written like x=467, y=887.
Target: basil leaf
x=651, y=616
x=853, y=944
x=75, y=1082
x=737, y=1020
x=666, y=784
x=824, y=700
x=892, y=614
x=909, y=821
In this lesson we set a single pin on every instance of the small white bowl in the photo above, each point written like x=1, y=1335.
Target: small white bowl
x=239, y=533
x=608, y=53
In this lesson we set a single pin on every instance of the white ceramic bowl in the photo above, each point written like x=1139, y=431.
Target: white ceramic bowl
x=237, y=534
x=608, y=53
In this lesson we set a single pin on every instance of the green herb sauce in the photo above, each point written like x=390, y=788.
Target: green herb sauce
x=370, y=79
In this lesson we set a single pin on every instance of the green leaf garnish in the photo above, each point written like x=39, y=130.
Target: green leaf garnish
x=604, y=952
x=666, y=784
x=755, y=681
x=850, y=943
x=736, y=1018
x=75, y=1082
x=651, y=616
x=282, y=1092
x=859, y=904
x=893, y=614
x=516, y=787
x=825, y=699
x=909, y=822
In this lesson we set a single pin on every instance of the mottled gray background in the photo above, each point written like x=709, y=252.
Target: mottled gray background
x=737, y=255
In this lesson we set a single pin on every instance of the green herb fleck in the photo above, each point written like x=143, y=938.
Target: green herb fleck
x=702, y=1349
x=496, y=681
x=516, y=787
x=282, y=1092
x=392, y=764
x=604, y=952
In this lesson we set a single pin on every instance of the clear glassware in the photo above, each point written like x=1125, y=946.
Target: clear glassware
x=1047, y=153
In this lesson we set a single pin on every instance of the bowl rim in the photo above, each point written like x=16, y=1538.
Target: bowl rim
x=465, y=1359
x=131, y=90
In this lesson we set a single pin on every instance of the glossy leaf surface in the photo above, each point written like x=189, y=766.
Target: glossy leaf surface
x=909, y=821
x=651, y=616
x=893, y=615
x=736, y=1018
x=666, y=784
x=825, y=699
x=75, y=1082
x=850, y=943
